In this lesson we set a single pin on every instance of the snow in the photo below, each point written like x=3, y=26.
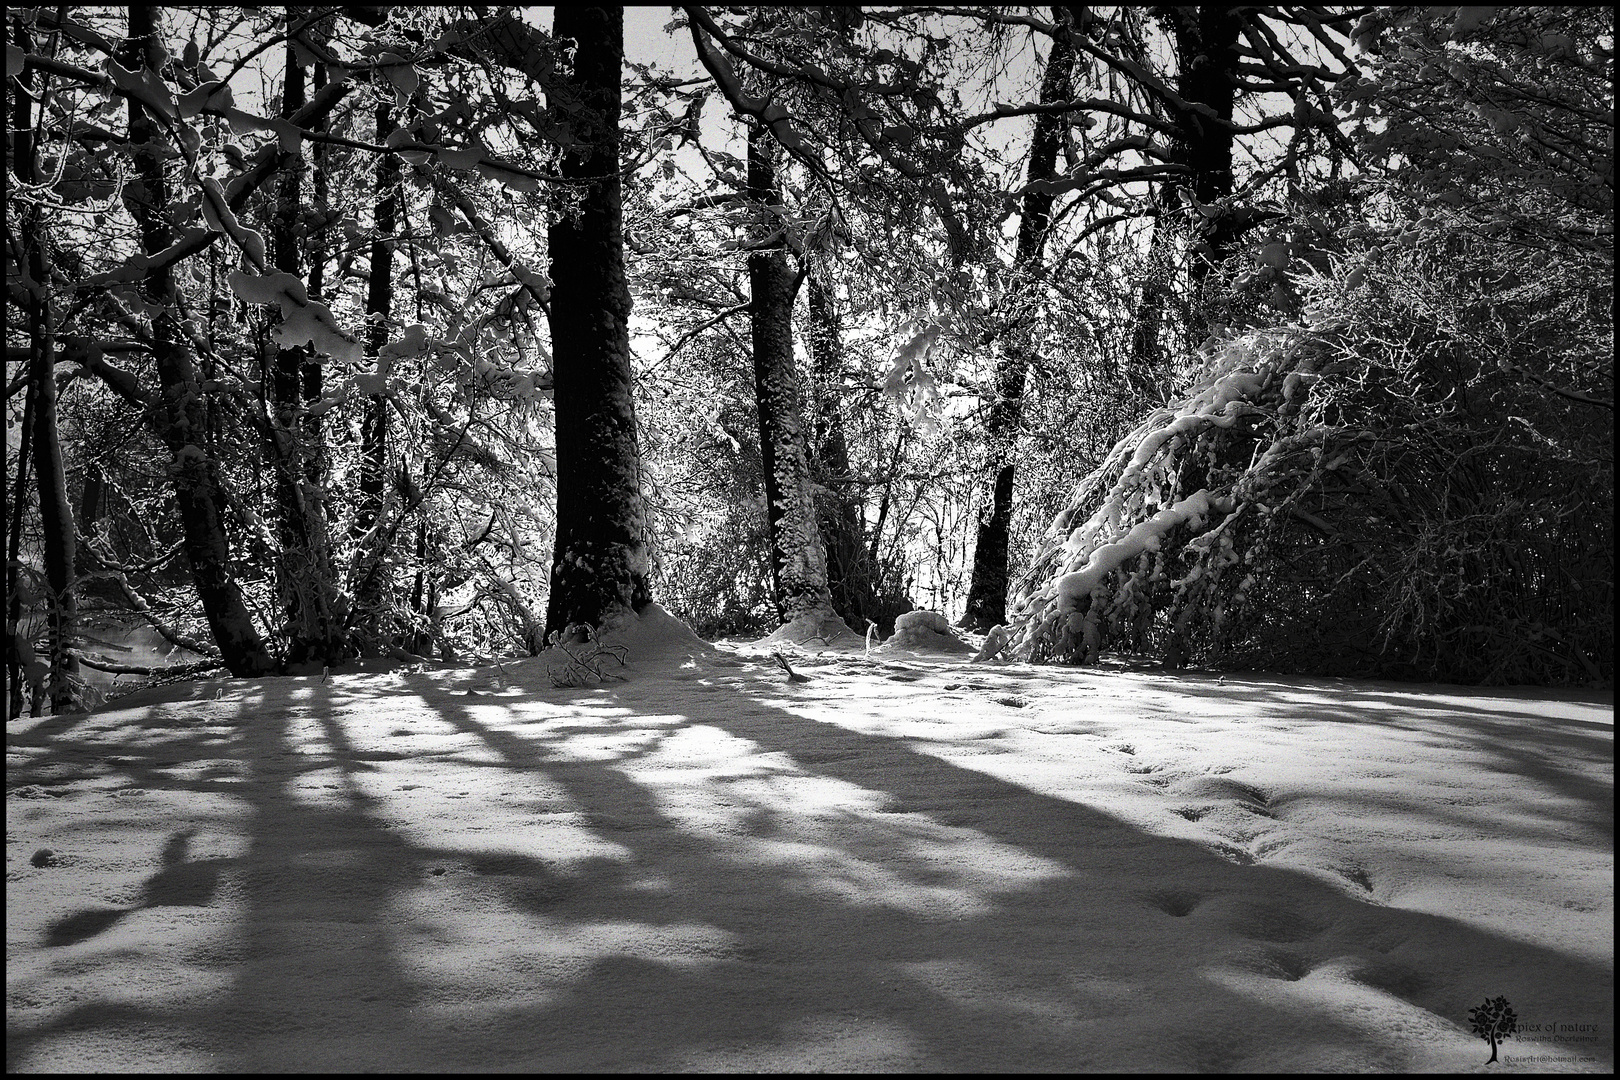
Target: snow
x=221, y=219
x=900, y=862
x=1074, y=588
x=924, y=631
x=814, y=631
x=305, y=320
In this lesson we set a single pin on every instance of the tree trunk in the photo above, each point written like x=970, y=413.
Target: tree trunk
x=181, y=415
x=798, y=560
x=987, y=589
x=305, y=584
x=1206, y=40
x=599, y=567
x=368, y=614
x=850, y=577
x=18, y=651
x=1146, y=366
x=55, y=512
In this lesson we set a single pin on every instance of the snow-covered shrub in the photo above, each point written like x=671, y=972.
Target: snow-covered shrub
x=1148, y=538
x=1375, y=492
x=1418, y=480
x=924, y=631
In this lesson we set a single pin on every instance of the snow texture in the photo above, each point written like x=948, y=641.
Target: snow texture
x=923, y=631
x=1074, y=589
x=221, y=219
x=305, y=320
x=209, y=95
x=908, y=382
x=920, y=865
x=144, y=86
x=812, y=631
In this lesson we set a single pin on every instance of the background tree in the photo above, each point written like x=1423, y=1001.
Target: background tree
x=41, y=437
x=1245, y=181
x=181, y=408
x=987, y=592
x=306, y=585
x=798, y=555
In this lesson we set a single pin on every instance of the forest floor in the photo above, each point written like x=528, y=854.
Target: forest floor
x=902, y=862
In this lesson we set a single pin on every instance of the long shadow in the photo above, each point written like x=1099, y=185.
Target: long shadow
x=1044, y=931
x=853, y=939
x=293, y=954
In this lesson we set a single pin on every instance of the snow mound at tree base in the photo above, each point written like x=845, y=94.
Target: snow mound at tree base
x=653, y=635
x=816, y=631
x=626, y=643
x=924, y=631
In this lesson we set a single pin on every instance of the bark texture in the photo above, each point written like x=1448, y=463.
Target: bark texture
x=305, y=582
x=851, y=575
x=987, y=589
x=367, y=616
x=600, y=567
x=181, y=413
x=1206, y=40
x=798, y=560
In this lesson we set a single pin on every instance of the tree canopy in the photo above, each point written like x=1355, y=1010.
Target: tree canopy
x=1277, y=337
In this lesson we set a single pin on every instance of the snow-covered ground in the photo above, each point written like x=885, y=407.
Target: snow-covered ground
x=903, y=861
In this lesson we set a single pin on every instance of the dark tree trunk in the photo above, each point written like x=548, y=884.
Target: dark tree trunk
x=1206, y=40
x=305, y=583
x=368, y=615
x=181, y=415
x=18, y=651
x=798, y=560
x=55, y=512
x=599, y=568
x=850, y=577
x=987, y=589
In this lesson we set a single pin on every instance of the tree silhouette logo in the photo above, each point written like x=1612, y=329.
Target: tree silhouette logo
x=1495, y=1020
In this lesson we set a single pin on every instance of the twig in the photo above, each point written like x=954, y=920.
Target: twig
x=793, y=676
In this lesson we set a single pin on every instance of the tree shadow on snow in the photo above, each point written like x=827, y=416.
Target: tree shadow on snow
x=858, y=932
x=181, y=883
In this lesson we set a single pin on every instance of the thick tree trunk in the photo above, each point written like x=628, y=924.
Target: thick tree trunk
x=987, y=589
x=599, y=568
x=850, y=577
x=55, y=512
x=181, y=415
x=305, y=583
x=368, y=616
x=1206, y=40
x=798, y=560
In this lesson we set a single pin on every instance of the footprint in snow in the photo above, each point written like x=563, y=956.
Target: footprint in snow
x=1177, y=903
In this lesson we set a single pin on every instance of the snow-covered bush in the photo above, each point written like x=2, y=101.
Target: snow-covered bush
x=1375, y=492
x=1417, y=479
